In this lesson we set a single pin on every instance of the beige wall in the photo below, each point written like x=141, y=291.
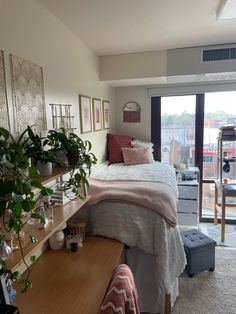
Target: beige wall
x=70, y=68
x=142, y=130
x=133, y=66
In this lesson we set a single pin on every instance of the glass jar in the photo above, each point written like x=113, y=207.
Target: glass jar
x=57, y=240
x=17, y=239
x=5, y=250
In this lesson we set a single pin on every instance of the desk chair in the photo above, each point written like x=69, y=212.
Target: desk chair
x=227, y=190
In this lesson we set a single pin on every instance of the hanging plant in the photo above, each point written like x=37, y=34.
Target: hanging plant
x=17, y=196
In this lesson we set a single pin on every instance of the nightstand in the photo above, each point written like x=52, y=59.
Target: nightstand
x=188, y=199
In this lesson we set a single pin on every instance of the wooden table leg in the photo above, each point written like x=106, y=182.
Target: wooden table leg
x=223, y=218
x=167, y=308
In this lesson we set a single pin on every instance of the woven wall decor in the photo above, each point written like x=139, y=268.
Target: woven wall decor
x=28, y=95
x=4, y=114
x=131, y=112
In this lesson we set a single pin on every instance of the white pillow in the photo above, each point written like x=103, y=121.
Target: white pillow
x=141, y=144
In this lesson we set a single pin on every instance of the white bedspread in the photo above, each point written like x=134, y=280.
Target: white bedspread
x=155, y=171
x=140, y=227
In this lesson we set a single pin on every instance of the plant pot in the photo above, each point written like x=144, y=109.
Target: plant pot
x=44, y=169
x=61, y=157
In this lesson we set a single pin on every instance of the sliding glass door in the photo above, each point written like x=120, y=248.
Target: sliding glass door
x=184, y=131
x=178, y=130
x=220, y=108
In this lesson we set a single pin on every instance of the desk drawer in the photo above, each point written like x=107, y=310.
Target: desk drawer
x=188, y=191
x=187, y=206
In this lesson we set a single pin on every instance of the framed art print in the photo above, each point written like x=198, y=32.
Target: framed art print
x=106, y=114
x=85, y=114
x=97, y=114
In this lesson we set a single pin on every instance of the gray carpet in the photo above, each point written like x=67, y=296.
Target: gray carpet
x=214, y=232
x=210, y=292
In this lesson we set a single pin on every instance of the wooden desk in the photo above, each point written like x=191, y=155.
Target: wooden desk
x=226, y=190
x=72, y=283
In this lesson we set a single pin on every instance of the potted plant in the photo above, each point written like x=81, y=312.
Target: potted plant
x=17, y=196
x=59, y=143
x=79, y=156
x=35, y=149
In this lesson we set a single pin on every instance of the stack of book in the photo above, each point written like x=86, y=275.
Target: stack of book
x=62, y=196
x=227, y=132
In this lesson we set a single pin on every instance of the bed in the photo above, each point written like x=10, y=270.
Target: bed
x=136, y=205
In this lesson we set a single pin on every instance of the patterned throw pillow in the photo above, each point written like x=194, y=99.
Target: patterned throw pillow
x=114, y=144
x=135, y=156
x=141, y=144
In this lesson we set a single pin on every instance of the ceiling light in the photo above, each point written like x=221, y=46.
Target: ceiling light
x=226, y=10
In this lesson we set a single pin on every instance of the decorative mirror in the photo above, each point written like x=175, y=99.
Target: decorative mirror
x=131, y=112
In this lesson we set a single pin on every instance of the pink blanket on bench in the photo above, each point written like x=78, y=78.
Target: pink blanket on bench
x=157, y=196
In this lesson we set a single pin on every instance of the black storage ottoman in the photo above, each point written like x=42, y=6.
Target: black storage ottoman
x=199, y=250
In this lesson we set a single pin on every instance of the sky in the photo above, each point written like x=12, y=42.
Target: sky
x=222, y=101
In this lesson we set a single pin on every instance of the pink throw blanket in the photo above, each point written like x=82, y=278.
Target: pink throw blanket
x=157, y=196
x=122, y=296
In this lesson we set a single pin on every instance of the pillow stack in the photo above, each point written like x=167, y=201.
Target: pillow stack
x=127, y=150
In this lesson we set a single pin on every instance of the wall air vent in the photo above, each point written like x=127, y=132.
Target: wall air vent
x=219, y=54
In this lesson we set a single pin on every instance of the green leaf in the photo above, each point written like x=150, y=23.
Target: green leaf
x=31, y=134
x=27, y=284
x=5, y=133
x=46, y=191
x=28, y=205
x=37, y=216
x=32, y=259
x=15, y=275
x=33, y=171
x=36, y=184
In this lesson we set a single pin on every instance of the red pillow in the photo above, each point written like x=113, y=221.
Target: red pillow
x=114, y=144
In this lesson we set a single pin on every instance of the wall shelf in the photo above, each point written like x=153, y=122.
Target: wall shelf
x=61, y=215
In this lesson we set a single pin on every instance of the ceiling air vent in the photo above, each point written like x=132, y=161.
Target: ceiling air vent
x=219, y=54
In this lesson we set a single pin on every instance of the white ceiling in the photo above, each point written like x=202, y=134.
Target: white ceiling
x=125, y=26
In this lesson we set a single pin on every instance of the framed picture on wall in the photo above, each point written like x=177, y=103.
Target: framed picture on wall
x=85, y=114
x=97, y=114
x=106, y=114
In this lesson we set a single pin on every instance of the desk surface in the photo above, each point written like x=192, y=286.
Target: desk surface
x=66, y=282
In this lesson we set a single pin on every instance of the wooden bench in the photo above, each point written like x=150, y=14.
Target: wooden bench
x=66, y=282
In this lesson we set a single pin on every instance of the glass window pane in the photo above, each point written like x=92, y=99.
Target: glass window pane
x=178, y=129
x=220, y=108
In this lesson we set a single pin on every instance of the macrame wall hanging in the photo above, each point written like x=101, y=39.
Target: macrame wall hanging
x=28, y=95
x=131, y=112
x=4, y=114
